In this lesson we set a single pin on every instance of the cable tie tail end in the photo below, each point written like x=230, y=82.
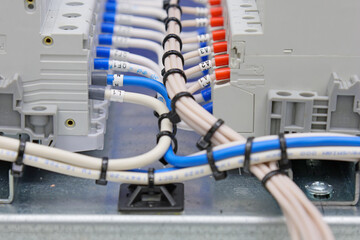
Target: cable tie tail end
x=104, y=168
x=284, y=163
x=17, y=167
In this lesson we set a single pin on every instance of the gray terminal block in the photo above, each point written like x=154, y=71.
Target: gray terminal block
x=295, y=69
x=282, y=54
x=297, y=111
x=45, y=67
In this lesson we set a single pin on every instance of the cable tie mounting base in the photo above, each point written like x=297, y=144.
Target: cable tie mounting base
x=142, y=198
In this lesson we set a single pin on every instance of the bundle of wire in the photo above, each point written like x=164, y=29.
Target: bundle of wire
x=304, y=221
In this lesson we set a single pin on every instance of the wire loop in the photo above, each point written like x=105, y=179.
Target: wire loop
x=172, y=35
x=173, y=52
x=172, y=19
x=173, y=71
x=269, y=175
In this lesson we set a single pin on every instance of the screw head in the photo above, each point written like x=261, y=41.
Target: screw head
x=319, y=190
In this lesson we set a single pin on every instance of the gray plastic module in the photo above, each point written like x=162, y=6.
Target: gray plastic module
x=296, y=111
x=45, y=55
x=295, y=68
x=280, y=47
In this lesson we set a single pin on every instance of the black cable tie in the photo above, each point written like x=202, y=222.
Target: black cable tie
x=284, y=163
x=104, y=167
x=172, y=35
x=151, y=177
x=167, y=2
x=205, y=141
x=172, y=19
x=173, y=6
x=164, y=116
x=172, y=115
x=17, y=168
x=215, y=171
x=169, y=134
x=247, y=154
x=173, y=52
x=172, y=136
x=173, y=139
x=173, y=71
x=156, y=114
x=269, y=175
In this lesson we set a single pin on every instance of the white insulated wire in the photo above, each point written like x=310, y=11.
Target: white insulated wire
x=143, y=22
x=126, y=42
x=190, y=47
x=152, y=3
x=120, y=55
x=122, y=66
x=92, y=163
x=139, y=10
x=180, y=175
x=126, y=31
x=198, y=98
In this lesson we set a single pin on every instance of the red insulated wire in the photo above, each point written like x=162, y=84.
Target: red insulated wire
x=221, y=60
x=220, y=47
x=222, y=73
x=217, y=21
x=218, y=35
x=214, y=2
x=216, y=11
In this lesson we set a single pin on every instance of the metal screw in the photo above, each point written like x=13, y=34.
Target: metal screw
x=319, y=190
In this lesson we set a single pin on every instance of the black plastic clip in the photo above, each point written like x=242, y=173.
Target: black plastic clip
x=104, y=167
x=269, y=175
x=205, y=141
x=172, y=35
x=173, y=52
x=173, y=6
x=215, y=171
x=17, y=168
x=167, y=73
x=247, y=154
x=284, y=163
x=172, y=19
